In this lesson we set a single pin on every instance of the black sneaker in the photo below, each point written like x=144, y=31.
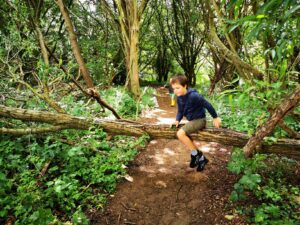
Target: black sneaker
x=201, y=164
x=195, y=156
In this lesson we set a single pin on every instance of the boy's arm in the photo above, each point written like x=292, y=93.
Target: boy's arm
x=210, y=109
x=213, y=113
x=199, y=99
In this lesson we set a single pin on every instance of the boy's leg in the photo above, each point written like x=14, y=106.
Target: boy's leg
x=186, y=140
x=189, y=128
x=197, y=158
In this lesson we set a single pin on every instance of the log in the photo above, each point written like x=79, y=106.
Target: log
x=289, y=147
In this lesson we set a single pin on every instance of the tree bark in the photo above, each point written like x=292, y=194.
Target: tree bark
x=288, y=104
x=74, y=44
x=61, y=121
x=129, y=25
x=43, y=81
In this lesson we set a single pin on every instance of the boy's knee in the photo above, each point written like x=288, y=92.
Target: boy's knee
x=180, y=133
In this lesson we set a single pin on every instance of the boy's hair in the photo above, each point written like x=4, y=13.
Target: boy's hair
x=179, y=79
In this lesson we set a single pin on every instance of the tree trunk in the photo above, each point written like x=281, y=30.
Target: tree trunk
x=133, y=70
x=288, y=104
x=129, y=22
x=74, y=44
x=162, y=63
x=60, y=121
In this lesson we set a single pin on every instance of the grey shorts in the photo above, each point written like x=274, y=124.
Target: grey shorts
x=194, y=125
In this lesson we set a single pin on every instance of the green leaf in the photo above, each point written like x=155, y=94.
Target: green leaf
x=283, y=68
x=233, y=27
x=75, y=151
x=260, y=216
x=261, y=16
x=250, y=181
x=80, y=218
x=291, y=11
x=234, y=196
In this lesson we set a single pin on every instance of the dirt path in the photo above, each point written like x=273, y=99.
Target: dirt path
x=165, y=191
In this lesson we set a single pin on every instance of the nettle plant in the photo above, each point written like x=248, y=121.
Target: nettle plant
x=268, y=184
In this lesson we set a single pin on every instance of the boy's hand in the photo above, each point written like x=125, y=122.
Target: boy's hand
x=217, y=122
x=176, y=124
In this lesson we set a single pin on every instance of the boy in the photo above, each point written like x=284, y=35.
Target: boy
x=192, y=105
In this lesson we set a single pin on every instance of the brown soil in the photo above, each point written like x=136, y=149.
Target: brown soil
x=165, y=191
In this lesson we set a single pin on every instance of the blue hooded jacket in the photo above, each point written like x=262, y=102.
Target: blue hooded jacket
x=192, y=105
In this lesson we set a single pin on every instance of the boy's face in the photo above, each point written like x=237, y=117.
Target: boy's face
x=179, y=90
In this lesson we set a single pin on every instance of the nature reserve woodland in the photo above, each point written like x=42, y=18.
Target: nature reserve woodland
x=86, y=113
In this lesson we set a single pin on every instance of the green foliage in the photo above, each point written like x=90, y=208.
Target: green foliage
x=84, y=169
x=80, y=218
x=246, y=107
x=84, y=166
x=124, y=102
x=266, y=182
x=120, y=99
x=275, y=24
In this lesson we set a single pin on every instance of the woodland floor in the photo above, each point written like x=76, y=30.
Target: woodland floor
x=164, y=190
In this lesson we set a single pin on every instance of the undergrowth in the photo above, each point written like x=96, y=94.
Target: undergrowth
x=268, y=188
x=83, y=169
x=247, y=107
x=58, y=178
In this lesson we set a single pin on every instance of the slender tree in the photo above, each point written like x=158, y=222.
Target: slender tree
x=74, y=43
x=162, y=62
x=127, y=15
x=180, y=23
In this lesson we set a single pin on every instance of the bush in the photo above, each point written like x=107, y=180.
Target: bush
x=267, y=184
x=84, y=169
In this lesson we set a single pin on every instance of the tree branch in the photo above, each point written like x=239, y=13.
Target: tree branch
x=287, y=105
x=31, y=130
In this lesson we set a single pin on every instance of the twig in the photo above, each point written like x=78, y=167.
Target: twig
x=126, y=207
x=290, y=131
x=119, y=218
x=45, y=168
x=178, y=192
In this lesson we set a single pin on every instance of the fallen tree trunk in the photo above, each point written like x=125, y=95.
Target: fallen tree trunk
x=60, y=121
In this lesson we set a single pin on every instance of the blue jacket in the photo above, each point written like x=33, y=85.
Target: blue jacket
x=192, y=105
